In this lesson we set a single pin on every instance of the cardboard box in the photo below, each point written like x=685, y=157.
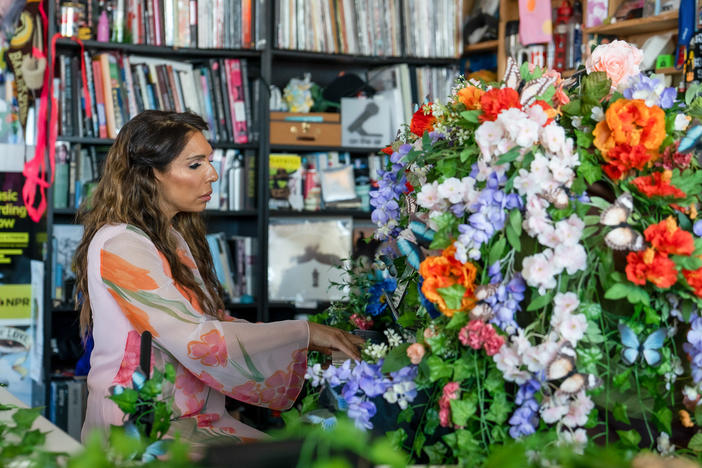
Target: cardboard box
x=313, y=129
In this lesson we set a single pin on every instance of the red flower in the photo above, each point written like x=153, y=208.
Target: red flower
x=387, y=150
x=624, y=157
x=422, y=121
x=658, y=184
x=496, y=100
x=653, y=266
x=694, y=279
x=668, y=238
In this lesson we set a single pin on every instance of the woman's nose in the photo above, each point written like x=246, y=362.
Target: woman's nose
x=212, y=176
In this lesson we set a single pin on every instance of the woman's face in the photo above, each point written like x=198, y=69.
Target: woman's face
x=186, y=184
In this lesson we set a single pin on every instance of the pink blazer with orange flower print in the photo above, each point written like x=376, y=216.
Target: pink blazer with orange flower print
x=131, y=290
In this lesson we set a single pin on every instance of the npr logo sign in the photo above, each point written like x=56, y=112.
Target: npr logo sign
x=15, y=301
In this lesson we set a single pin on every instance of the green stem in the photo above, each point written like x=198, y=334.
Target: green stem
x=422, y=419
x=479, y=377
x=643, y=408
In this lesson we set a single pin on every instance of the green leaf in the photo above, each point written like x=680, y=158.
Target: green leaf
x=453, y=295
x=170, y=373
x=515, y=220
x=462, y=368
x=497, y=250
x=418, y=443
x=590, y=171
x=696, y=443
x=471, y=116
x=396, y=438
x=405, y=415
x=431, y=421
x=458, y=320
x=539, y=301
x=591, y=310
x=698, y=415
x=438, y=368
x=309, y=403
x=618, y=291
x=509, y=156
x=126, y=400
x=24, y=417
x=499, y=409
x=467, y=153
x=436, y=453
x=461, y=410
x=638, y=295
x=572, y=108
x=630, y=438
x=513, y=238
x=620, y=413
x=687, y=262
x=622, y=381
x=583, y=139
x=396, y=359
x=665, y=417
x=494, y=381
x=595, y=87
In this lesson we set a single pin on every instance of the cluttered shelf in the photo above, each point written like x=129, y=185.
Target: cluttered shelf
x=359, y=214
x=485, y=46
x=359, y=60
x=669, y=71
x=650, y=24
x=144, y=49
x=312, y=148
x=110, y=141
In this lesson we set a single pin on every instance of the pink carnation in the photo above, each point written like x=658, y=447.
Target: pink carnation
x=493, y=345
x=471, y=334
x=361, y=322
x=451, y=390
x=444, y=417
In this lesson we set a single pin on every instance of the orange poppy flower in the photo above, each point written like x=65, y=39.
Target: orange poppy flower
x=137, y=317
x=631, y=121
x=652, y=266
x=117, y=270
x=445, y=271
x=694, y=279
x=658, y=184
x=470, y=97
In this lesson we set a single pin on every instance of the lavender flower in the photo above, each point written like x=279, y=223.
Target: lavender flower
x=505, y=303
x=693, y=347
x=385, y=200
x=652, y=90
x=525, y=418
x=697, y=228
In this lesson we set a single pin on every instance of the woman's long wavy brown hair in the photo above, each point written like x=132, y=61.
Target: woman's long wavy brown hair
x=128, y=193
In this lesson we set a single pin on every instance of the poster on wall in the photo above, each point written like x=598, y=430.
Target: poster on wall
x=21, y=280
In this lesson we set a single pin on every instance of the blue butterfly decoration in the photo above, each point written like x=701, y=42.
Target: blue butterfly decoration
x=691, y=140
x=153, y=450
x=323, y=417
x=648, y=349
x=411, y=240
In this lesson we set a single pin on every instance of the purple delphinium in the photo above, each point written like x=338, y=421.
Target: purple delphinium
x=385, y=200
x=693, y=347
x=697, y=228
x=525, y=418
x=489, y=214
x=505, y=303
x=651, y=90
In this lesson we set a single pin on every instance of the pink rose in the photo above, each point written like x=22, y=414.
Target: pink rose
x=429, y=333
x=415, y=352
x=451, y=390
x=445, y=417
x=618, y=59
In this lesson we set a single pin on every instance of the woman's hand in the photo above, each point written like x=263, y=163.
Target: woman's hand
x=327, y=339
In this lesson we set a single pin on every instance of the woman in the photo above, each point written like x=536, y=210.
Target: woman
x=144, y=264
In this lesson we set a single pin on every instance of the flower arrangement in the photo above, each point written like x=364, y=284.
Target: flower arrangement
x=547, y=268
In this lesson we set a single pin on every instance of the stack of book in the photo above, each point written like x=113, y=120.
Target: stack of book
x=121, y=86
x=203, y=24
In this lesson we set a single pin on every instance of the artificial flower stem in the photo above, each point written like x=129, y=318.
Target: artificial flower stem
x=422, y=419
x=479, y=376
x=643, y=408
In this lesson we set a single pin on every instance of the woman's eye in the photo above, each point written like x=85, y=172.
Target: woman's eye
x=195, y=165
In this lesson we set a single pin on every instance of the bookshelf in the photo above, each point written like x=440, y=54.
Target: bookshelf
x=267, y=64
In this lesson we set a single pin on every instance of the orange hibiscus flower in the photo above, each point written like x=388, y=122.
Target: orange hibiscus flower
x=120, y=272
x=445, y=271
x=623, y=158
x=211, y=349
x=658, y=184
x=652, y=266
x=470, y=97
x=631, y=121
x=668, y=238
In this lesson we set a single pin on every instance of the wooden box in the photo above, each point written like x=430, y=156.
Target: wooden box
x=313, y=129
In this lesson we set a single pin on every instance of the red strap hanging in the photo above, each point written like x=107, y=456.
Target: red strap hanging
x=35, y=173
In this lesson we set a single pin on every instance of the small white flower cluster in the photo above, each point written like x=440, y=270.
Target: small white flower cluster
x=664, y=446
x=569, y=410
x=438, y=197
x=394, y=339
x=676, y=371
x=375, y=351
x=315, y=374
x=397, y=393
x=576, y=439
x=542, y=185
x=570, y=326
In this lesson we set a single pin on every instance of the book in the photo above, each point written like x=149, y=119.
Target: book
x=282, y=188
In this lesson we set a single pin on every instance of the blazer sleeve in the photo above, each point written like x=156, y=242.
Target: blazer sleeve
x=257, y=363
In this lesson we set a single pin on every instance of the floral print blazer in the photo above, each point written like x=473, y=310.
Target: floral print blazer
x=132, y=290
